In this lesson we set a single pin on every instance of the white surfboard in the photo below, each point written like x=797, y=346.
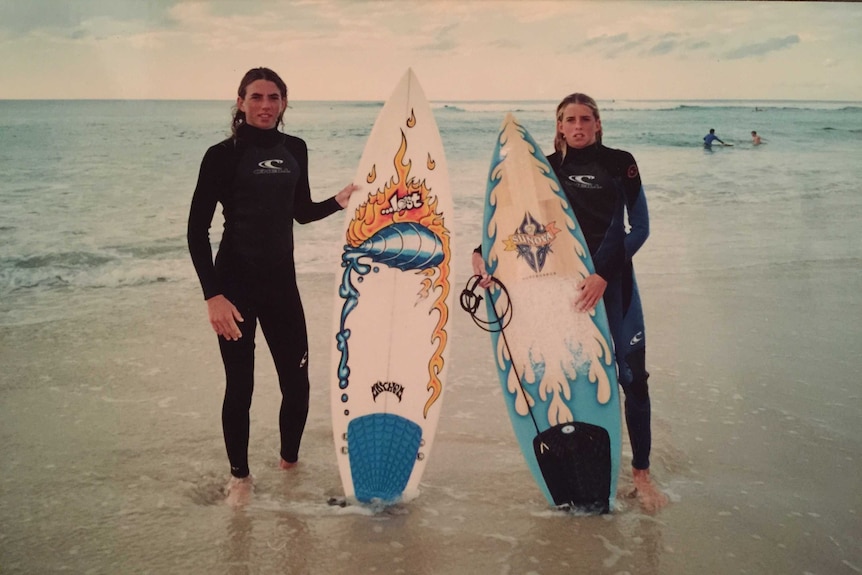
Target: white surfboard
x=393, y=303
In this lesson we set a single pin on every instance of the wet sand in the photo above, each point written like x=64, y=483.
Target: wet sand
x=113, y=460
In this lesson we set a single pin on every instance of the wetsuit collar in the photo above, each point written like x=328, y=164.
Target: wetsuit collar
x=582, y=155
x=257, y=136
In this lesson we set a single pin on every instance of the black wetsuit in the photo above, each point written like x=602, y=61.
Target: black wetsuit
x=601, y=183
x=261, y=180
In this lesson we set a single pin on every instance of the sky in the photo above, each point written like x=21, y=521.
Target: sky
x=460, y=50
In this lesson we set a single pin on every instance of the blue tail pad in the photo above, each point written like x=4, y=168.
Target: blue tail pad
x=382, y=448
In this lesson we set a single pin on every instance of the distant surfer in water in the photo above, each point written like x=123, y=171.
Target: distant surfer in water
x=710, y=138
x=602, y=184
x=755, y=139
x=260, y=177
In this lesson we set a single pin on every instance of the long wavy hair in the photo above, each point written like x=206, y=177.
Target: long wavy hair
x=576, y=98
x=251, y=76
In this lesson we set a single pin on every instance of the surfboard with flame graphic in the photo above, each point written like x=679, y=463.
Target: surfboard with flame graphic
x=393, y=304
x=556, y=365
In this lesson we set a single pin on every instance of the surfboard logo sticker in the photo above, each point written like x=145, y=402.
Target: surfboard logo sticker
x=399, y=226
x=392, y=387
x=532, y=241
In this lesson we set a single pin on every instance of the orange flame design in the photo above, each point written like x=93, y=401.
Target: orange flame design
x=377, y=213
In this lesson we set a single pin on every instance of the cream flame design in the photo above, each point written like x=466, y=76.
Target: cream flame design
x=548, y=363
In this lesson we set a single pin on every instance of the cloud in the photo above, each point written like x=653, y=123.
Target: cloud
x=444, y=40
x=662, y=48
x=605, y=40
x=615, y=45
x=19, y=18
x=506, y=44
x=761, y=48
x=628, y=47
x=608, y=45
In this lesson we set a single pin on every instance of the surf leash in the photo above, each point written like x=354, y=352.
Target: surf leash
x=470, y=302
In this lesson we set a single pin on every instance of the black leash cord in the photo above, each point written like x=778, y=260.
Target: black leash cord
x=470, y=302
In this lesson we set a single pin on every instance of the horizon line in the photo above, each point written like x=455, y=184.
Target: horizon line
x=2, y=99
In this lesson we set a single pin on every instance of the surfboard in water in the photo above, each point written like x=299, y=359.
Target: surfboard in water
x=393, y=304
x=556, y=365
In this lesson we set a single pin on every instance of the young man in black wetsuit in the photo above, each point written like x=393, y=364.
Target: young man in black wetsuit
x=260, y=177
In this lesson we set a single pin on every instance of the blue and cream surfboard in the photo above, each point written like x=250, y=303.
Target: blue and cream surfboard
x=556, y=365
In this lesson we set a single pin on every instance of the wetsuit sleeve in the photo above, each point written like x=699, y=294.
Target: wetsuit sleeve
x=636, y=206
x=610, y=256
x=638, y=224
x=210, y=179
x=306, y=210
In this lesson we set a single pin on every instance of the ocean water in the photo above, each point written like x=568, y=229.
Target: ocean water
x=110, y=385
x=95, y=193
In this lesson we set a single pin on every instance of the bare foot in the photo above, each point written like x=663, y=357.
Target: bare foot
x=239, y=491
x=282, y=464
x=649, y=497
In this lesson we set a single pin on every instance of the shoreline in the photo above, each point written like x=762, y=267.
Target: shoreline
x=113, y=417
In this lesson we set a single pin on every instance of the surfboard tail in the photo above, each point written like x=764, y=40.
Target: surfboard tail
x=382, y=448
x=575, y=461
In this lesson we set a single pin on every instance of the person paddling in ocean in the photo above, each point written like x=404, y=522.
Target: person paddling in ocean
x=601, y=184
x=260, y=177
x=755, y=139
x=710, y=138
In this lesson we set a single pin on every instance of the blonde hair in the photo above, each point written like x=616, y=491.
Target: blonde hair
x=576, y=98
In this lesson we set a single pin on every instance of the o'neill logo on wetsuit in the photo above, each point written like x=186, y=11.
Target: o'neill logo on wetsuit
x=580, y=181
x=395, y=388
x=271, y=167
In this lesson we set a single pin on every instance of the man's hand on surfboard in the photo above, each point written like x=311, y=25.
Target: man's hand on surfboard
x=223, y=317
x=590, y=292
x=343, y=197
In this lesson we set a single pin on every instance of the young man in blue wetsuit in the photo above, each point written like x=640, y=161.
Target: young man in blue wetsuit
x=260, y=177
x=710, y=138
x=602, y=184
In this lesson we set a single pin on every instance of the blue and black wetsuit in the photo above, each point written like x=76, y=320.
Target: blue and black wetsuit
x=601, y=184
x=261, y=180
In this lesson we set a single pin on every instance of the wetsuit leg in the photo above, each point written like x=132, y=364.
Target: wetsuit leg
x=637, y=406
x=283, y=325
x=614, y=310
x=637, y=410
x=238, y=358
x=631, y=357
